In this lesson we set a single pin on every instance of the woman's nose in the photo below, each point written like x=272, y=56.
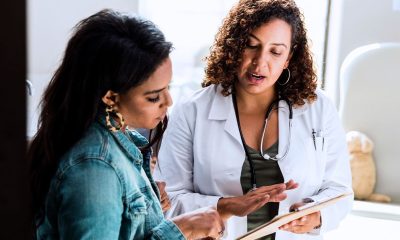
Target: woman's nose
x=168, y=99
x=260, y=60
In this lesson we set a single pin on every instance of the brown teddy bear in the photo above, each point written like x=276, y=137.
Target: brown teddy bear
x=363, y=167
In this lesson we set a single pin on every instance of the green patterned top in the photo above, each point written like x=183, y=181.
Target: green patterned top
x=267, y=173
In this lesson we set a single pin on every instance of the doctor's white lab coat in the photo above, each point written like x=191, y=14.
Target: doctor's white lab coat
x=201, y=158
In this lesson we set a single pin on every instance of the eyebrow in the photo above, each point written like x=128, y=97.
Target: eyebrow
x=275, y=44
x=154, y=91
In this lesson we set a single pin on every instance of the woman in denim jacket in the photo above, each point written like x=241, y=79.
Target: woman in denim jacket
x=90, y=168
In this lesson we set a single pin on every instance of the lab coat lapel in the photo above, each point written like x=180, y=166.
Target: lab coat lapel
x=231, y=125
x=287, y=163
x=222, y=109
x=283, y=116
x=284, y=124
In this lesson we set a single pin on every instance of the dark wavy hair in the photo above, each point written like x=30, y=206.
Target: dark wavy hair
x=232, y=37
x=108, y=51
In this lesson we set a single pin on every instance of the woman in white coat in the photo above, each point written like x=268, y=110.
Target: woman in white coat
x=258, y=122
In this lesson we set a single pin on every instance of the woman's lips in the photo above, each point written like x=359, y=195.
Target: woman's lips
x=162, y=117
x=255, y=78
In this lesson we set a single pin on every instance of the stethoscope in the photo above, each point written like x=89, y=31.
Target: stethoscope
x=264, y=155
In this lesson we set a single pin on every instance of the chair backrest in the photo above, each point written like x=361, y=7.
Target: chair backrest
x=370, y=103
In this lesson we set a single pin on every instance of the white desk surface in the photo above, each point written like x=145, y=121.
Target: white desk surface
x=369, y=221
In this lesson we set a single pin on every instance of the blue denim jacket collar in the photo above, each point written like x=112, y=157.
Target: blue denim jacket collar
x=126, y=138
x=139, y=158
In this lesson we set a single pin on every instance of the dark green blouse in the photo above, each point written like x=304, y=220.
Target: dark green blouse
x=267, y=173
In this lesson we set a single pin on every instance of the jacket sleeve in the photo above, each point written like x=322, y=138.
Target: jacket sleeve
x=90, y=206
x=175, y=164
x=337, y=176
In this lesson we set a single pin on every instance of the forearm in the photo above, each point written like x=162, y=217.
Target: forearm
x=184, y=201
x=223, y=208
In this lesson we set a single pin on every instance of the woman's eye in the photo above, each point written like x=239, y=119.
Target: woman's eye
x=276, y=53
x=154, y=100
x=251, y=46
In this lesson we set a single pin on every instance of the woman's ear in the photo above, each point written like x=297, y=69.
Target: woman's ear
x=288, y=60
x=110, y=98
x=286, y=65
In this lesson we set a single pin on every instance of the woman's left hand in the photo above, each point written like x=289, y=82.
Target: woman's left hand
x=304, y=224
x=165, y=203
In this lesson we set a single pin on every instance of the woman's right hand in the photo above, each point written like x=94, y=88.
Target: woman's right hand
x=253, y=200
x=202, y=223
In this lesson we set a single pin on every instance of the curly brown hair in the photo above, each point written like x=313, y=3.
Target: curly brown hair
x=232, y=37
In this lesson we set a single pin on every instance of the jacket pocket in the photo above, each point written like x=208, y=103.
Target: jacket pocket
x=139, y=204
x=135, y=223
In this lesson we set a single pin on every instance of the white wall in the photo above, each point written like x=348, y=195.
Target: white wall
x=49, y=25
x=355, y=23
x=191, y=26
x=315, y=23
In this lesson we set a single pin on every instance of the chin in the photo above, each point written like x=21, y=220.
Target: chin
x=258, y=88
x=154, y=125
x=255, y=89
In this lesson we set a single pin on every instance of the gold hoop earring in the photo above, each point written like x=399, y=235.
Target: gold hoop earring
x=111, y=111
x=287, y=80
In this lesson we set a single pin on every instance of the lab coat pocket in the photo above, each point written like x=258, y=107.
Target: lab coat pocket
x=316, y=159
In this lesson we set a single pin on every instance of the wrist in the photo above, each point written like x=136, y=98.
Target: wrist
x=181, y=223
x=222, y=208
x=320, y=222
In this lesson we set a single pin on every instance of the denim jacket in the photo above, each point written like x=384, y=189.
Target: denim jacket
x=103, y=189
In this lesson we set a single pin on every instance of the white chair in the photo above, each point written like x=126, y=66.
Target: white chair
x=370, y=103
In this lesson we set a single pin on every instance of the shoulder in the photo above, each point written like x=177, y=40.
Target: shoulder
x=91, y=153
x=322, y=96
x=202, y=96
x=199, y=102
x=91, y=174
x=94, y=144
x=322, y=103
x=322, y=108
x=324, y=100
x=321, y=111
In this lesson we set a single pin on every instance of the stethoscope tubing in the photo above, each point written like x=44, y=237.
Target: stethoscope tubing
x=265, y=156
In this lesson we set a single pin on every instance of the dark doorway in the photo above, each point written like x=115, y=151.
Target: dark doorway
x=14, y=194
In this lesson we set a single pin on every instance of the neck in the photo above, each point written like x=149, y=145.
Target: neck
x=249, y=103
